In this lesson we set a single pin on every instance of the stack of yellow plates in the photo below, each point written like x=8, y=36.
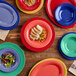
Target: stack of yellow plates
x=30, y=12
x=49, y=67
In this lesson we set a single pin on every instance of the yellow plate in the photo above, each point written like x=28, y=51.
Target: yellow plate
x=30, y=12
x=64, y=66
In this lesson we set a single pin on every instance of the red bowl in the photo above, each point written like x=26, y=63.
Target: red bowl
x=51, y=6
x=26, y=42
x=29, y=8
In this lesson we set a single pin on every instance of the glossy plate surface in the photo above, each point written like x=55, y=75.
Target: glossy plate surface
x=65, y=14
x=29, y=8
x=49, y=67
x=68, y=43
x=59, y=47
x=9, y=17
x=51, y=7
x=21, y=55
x=30, y=12
x=17, y=59
x=25, y=38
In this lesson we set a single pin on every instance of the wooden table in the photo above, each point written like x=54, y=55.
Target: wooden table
x=32, y=57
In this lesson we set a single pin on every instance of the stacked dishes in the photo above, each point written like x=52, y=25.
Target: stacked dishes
x=29, y=6
x=62, y=12
x=9, y=17
x=12, y=59
x=37, y=34
x=49, y=67
x=67, y=46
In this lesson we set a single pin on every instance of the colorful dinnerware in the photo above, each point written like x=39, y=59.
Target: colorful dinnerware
x=36, y=45
x=30, y=12
x=17, y=59
x=67, y=46
x=51, y=7
x=21, y=55
x=65, y=14
x=49, y=67
x=9, y=17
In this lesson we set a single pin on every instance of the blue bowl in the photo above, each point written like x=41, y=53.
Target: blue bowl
x=17, y=60
x=9, y=16
x=66, y=57
x=65, y=14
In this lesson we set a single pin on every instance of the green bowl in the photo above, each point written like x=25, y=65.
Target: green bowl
x=22, y=59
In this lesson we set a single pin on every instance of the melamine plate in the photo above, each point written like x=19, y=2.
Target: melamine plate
x=9, y=17
x=49, y=67
x=65, y=14
x=51, y=7
x=29, y=8
x=21, y=55
x=68, y=43
x=13, y=66
x=30, y=12
x=69, y=58
x=32, y=45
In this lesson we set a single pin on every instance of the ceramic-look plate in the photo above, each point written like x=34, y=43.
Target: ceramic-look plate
x=21, y=55
x=33, y=44
x=59, y=47
x=51, y=7
x=30, y=12
x=68, y=43
x=65, y=14
x=17, y=59
x=29, y=8
x=9, y=17
x=49, y=67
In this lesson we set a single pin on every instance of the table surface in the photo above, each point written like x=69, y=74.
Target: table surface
x=31, y=57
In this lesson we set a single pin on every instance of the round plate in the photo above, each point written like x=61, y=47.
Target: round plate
x=30, y=12
x=68, y=44
x=29, y=8
x=49, y=67
x=66, y=57
x=21, y=55
x=51, y=7
x=9, y=17
x=13, y=67
x=26, y=43
x=65, y=14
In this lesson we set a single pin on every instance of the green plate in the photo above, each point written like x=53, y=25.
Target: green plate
x=22, y=59
x=68, y=45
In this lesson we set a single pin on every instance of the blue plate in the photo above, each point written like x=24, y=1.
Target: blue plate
x=69, y=58
x=65, y=14
x=17, y=60
x=9, y=17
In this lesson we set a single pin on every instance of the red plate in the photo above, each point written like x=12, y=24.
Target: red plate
x=51, y=6
x=48, y=68
x=29, y=8
x=27, y=44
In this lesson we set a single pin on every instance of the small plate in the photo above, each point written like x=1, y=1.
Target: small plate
x=51, y=7
x=49, y=67
x=66, y=57
x=28, y=43
x=30, y=12
x=29, y=8
x=21, y=55
x=65, y=14
x=13, y=67
x=9, y=17
x=68, y=43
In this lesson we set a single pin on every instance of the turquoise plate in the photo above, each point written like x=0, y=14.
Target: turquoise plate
x=22, y=59
x=68, y=44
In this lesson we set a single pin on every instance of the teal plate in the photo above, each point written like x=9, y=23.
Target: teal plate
x=22, y=59
x=68, y=45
